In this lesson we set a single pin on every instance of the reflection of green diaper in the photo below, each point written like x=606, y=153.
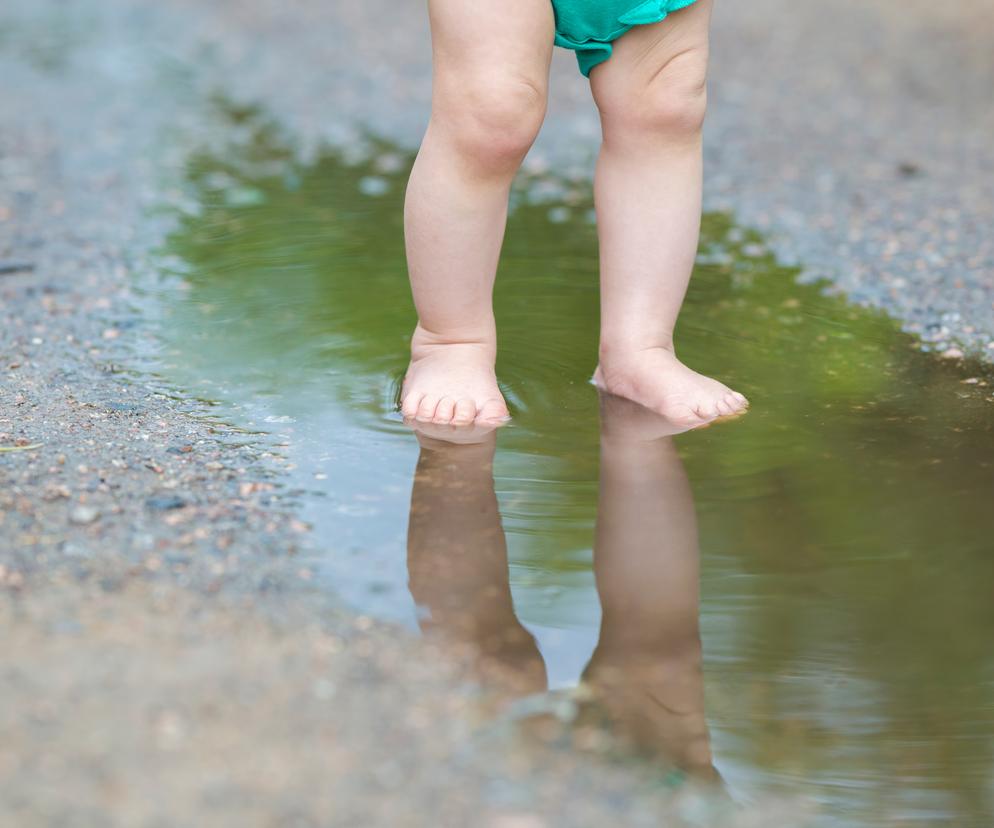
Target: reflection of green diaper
x=590, y=26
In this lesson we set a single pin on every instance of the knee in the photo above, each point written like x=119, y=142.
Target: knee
x=672, y=103
x=492, y=121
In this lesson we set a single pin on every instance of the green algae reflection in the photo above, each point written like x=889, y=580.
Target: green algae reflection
x=847, y=527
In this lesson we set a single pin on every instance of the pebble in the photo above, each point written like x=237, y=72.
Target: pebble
x=9, y=266
x=163, y=503
x=84, y=515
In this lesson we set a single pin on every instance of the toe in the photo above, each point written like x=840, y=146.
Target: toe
x=734, y=402
x=465, y=412
x=707, y=410
x=741, y=399
x=409, y=405
x=684, y=416
x=492, y=411
x=426, y=411
x=725, y=407
x=444, y=410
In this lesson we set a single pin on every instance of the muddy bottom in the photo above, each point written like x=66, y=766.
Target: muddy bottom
x=796, y=603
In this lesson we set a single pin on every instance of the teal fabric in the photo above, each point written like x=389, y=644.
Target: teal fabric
x=590, y=26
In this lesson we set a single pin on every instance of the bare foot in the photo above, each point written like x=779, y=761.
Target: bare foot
x=452, y=383
x=655, y=378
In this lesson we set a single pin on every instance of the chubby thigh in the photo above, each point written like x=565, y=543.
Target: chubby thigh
x=473, y=42
x=590, y=27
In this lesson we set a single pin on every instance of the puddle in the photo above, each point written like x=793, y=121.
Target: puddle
x=842, y=534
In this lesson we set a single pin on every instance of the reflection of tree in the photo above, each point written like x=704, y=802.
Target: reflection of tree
x=846, y=521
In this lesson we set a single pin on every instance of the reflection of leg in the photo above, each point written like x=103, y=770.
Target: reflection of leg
x=646, y=670
x=457, y=562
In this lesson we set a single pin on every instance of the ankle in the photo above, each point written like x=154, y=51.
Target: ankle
x=483, y=336
x=619, y=348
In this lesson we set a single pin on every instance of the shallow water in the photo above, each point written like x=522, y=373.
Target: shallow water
x=841, y=535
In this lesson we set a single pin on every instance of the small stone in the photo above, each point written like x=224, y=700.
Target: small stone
x=84, y=515
x=246, y=489
x=55, y=491
x=8, y=266
x=163, y=503
x=952, y=353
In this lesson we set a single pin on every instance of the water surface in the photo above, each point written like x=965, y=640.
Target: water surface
x=841, y=536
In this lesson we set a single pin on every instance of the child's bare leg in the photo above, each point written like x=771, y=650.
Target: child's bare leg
x=652, y=99
x=491, y=67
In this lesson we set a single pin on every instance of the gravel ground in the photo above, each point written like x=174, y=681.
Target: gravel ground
x=167, y=662
x=141, y=704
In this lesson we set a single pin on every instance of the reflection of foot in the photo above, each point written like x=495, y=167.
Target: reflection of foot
x=439, y=437
x=654, y=704
x=655, y=378
x=624, y=420
x=452, y=383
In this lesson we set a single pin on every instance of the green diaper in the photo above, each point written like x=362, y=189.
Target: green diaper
x=590, y=26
